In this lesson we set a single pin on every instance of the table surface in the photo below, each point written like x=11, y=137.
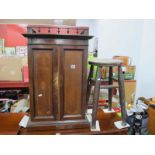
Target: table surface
x=9, y=126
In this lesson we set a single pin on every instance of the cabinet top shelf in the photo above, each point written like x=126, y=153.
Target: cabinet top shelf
x=65, y=32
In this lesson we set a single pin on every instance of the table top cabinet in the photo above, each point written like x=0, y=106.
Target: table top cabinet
x=57, y=60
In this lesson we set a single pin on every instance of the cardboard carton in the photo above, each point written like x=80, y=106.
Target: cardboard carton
x=130, y=88
x=125, y=59
x=11, y=68
x=21, y=50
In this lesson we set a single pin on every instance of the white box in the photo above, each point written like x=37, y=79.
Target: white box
x=21, y=50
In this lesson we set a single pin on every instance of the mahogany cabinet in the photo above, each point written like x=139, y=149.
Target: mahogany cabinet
x=57, y=60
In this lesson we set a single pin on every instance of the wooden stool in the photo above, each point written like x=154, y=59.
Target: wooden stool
x=97, y=81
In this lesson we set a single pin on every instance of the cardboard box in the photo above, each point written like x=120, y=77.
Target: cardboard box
x=128, y=72
x=130, y=89
x=151, y=124
x=11, y=68
x=125, y=59
x=21, y=50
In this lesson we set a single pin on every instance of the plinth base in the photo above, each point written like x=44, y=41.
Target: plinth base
x=57, y=125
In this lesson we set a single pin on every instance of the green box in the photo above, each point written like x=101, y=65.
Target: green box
x=129, y=73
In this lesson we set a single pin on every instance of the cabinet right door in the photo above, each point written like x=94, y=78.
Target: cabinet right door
x=73, y=76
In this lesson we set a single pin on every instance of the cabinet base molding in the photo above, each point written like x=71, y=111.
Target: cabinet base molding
x=57, y=125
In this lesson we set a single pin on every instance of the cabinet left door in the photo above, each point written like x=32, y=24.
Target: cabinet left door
x=43, y=71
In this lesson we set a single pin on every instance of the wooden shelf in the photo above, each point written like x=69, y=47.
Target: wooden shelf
x=14, y=84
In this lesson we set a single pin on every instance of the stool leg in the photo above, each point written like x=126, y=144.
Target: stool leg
x=110, y=91
x=96, y=95
x=122, y=93
x=89, y=83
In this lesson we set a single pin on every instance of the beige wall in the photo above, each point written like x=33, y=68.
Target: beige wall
x=71, y=22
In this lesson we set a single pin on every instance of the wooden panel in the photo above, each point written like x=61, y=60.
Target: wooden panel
x=49, y=41
x=72, y=83
x=43, y=83
x=151, y=121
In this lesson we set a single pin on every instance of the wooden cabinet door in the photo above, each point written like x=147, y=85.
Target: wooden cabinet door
x=43, y=72
x=73, y=73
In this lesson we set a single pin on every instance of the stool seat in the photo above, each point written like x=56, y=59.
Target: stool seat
x=106, y=62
